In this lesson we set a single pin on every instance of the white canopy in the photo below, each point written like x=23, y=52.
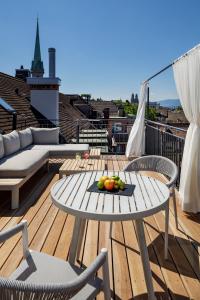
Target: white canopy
x=187, y=77
x=136, y=142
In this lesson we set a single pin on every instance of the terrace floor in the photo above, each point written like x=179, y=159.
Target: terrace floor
x=50, y=231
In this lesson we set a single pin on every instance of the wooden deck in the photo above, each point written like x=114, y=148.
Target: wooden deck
x=50, y=231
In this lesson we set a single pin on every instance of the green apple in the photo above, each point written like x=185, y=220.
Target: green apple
x=100, y=185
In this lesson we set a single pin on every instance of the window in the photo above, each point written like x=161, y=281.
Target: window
x=6, y=106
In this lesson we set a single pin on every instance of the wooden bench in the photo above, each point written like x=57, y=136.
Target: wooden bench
x=95, y=153
x=72, y=166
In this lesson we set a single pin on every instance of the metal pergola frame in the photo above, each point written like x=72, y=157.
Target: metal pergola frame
x=150, y=78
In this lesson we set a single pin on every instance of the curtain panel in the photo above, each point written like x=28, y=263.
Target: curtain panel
x=187, y=79
x=136, y=142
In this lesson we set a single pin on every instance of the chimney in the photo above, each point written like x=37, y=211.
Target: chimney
x=106, y=113
x=52, y=62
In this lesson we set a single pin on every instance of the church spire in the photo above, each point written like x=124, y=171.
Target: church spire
x=37, y=69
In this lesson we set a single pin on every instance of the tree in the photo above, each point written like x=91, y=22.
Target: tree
x=130, y=109
x=118, y=102
x=152, y=113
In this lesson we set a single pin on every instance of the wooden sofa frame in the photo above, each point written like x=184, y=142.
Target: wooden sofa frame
x=14, y=184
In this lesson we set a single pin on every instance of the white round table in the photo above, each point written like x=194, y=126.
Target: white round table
x=149, y=197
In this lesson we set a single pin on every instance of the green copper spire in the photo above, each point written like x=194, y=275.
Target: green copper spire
x=37, y=68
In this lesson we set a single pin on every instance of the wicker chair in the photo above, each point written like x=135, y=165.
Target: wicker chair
x=163, y=166
x=41, y=276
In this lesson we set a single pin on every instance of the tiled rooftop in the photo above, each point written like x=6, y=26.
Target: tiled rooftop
x=100, y=105
x=17, y=94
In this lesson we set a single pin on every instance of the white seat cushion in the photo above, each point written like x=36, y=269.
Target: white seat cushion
x=61, y=149
x=22, y=163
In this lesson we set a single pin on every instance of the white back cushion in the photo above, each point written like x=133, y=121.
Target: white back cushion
x=45, y=136
x=1, y=147
x=25, y=137
x=11, y=142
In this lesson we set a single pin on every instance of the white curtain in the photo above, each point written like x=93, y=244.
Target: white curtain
x=187, y=78
x=136, y=141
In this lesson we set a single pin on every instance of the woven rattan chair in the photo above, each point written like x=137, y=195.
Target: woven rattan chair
x=165, y=167
x=160, y=165
x=43, y=277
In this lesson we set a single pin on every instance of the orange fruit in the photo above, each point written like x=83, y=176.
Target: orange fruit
x=109, y=184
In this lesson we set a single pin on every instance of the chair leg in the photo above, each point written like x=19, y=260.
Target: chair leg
x=166, y=230
x=175, y=207
x=106, y=279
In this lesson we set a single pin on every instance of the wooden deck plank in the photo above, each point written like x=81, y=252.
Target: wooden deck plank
x=34, y=217
x=187, y=275
x=169, y=271
x=62, y=248
x=135, y=266
x=122, y=283
x=186, y=244
x=40, y=236
x=90, y=246
x=134, y=260
x=190, y=223
x=54, y=233
x=15, y=258
x=50, y=231
x=105, y=242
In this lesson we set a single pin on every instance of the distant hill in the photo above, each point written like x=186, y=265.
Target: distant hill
x=169, y=103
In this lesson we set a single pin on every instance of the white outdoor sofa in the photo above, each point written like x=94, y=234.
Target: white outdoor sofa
x=24, y=152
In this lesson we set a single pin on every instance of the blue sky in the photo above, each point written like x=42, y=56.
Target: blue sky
x=104, y=47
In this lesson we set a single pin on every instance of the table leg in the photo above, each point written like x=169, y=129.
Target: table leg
x=145, y=258
x=74, y=241
x=81, y=233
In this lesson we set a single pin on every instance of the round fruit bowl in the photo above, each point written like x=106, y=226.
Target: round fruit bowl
x=113, y=183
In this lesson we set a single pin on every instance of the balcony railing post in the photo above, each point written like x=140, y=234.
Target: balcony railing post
x=14, y=121
x=161, y=143
x=148, y=102
x=77, y=132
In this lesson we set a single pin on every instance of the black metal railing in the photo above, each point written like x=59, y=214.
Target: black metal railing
x=111, y=135
x=165, y=140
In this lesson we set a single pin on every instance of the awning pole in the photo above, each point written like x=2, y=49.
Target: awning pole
x=148, y=102
x=164, y=69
